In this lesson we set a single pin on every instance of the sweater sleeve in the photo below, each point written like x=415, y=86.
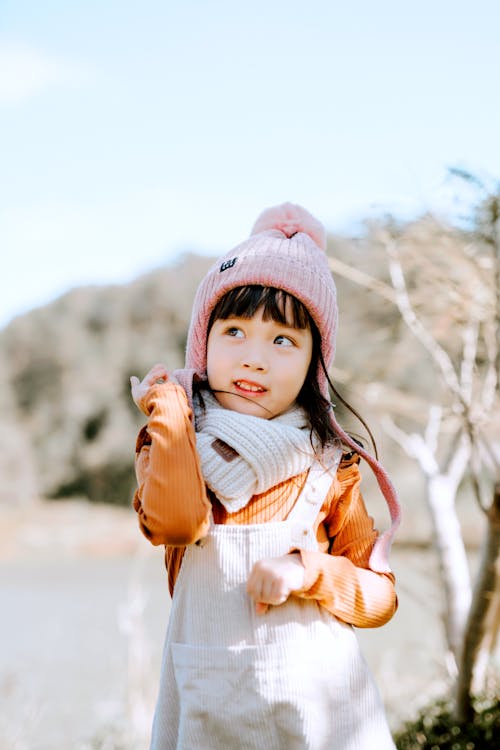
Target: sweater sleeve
x=341, y=580
x=171, y=499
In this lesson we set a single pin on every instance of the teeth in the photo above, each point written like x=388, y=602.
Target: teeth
x=248, y=387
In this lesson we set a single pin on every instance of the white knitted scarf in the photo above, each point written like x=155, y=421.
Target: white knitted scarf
x=242, y=455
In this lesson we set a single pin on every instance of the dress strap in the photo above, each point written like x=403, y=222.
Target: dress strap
x=308, y=504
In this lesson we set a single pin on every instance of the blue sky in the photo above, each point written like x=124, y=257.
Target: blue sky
x=132, y=131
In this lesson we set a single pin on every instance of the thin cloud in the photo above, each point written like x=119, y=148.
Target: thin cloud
x=26, y=72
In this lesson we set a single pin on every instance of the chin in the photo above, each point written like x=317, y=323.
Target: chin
x=253, y=410
x=235, y=402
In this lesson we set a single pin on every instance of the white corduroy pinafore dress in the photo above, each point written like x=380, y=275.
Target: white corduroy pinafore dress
x=291, y=679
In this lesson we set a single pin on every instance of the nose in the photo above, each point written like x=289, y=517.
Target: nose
x=253, y=358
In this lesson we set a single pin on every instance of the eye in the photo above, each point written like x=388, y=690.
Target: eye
x=283, y=341
x=234, y=331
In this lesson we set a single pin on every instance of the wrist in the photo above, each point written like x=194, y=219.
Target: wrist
x=154, y=393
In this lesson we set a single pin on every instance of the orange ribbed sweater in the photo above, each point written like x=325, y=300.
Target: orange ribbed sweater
x=173, y=505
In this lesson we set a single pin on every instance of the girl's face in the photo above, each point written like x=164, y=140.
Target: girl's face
x=257, y=366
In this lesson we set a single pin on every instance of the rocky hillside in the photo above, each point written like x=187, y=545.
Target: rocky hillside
x=68, y=423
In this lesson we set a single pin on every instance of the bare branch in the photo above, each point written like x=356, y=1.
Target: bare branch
x=382, y=394
x=363, y=279
x=408, y=314
x=433, y=429
x=459, y=459
x=398, y=435
x=470, y=177
x=490, y=382
x=470, y=338
x=414, y=446
x=497, y=287
x=490, y=452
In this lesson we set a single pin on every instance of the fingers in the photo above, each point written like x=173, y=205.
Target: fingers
x=269, y=584
x=273, y=591
x=157, y=374
x=261, y=608
x=135, y=385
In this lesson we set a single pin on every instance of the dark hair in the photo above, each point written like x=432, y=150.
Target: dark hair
x=284, y=308
x=276, y=304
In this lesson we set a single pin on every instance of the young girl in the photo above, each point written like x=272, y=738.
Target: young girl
x=252, y=486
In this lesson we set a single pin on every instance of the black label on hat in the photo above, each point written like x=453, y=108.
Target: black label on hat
x=227, y=264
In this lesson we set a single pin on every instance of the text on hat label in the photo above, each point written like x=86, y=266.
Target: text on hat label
x=228, y=264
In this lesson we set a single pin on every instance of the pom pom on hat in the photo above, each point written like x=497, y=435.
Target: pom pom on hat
x=291, y=219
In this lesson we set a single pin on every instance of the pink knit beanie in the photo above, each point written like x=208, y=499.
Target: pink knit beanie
x=286, y=250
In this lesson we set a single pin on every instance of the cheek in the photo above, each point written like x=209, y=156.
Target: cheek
x=300, y=379
x=294, y=375
x=301, y=373
x=210, y=366
x=210, y=347
x=215, y=362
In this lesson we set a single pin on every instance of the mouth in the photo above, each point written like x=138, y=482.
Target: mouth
x=249, y=388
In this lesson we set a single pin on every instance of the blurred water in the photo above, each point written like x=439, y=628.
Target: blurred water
x=81, y=639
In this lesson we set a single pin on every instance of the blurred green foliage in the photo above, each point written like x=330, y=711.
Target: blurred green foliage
x=436, y=729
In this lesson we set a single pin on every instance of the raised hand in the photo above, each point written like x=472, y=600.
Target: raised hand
x=157, y=374
x=273, y=579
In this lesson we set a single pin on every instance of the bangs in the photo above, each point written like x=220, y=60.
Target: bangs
x=277, y=305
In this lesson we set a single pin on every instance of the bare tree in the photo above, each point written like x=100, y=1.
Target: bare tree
x=483, y=622
x=445, y=284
